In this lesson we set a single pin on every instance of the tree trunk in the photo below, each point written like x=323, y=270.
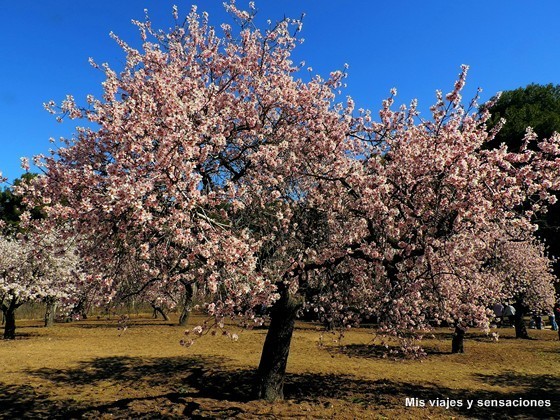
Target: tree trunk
x=79, y=310
x=274, y=358
x=457, y=344
x=519, y=322
x=161, y=311
x=50, y=312
x=10, y=325
x=9, y=312
x=190, y=290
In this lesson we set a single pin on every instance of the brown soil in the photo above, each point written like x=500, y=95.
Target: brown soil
x=90, y=369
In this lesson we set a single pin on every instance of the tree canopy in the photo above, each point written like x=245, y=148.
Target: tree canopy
x=215, y=164
x=12, y=207
x=536, y=106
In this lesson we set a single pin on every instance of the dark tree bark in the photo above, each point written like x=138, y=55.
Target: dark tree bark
x=274, y=358
x=519, y=322
x=457, y=344
x=163, y=314
x=9, y=311
x=50, y=311
x=186, y=308
x=10, y=325
x=79, y=309
x=159, y=309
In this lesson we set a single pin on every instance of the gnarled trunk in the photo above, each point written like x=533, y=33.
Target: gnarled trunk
x=159, y=309
x=9, y=311
x=274, y=358
x=50, y=311
x=519, y=322
x=10, y=325
x=457, y=344
x=190, y=289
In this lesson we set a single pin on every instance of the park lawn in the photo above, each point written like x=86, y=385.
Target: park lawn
x=91, y=369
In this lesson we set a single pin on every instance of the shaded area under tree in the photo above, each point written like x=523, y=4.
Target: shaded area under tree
x=194, y=381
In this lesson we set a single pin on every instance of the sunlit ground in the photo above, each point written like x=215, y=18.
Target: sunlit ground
x=90, y=369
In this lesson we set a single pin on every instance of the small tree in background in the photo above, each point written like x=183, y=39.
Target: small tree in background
x=529, y=280
x=11, y=211
x=34, y=271
x=12, y=208
x=536, y=106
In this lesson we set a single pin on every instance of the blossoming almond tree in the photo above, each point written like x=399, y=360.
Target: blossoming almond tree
x=195, y=129
x=423, y=206
x=34, y=270
x=528, y=278
x=213, y=165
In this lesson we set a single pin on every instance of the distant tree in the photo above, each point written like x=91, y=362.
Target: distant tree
x=12, y=210
x=526, y=271
x=39, y=269
x=536, y=106
x=11, y=206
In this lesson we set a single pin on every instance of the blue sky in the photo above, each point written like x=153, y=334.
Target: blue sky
x=415, y=46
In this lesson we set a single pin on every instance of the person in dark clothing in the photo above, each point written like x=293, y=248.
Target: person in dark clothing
x=509, y=313
x=557, y=315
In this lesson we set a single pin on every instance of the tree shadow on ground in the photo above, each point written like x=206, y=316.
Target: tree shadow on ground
x=377, y=351
x=132, y=370
x=21, y=336
x=39, y=326
x=202, y=387
x=114, y=325
x=186, y=378
x=545, y=385
x=470, y=336
x=543, y=390
x=23, y=401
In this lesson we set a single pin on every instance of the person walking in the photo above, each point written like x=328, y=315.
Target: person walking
x=509, y=313
x=557, y=316
x=552, y=321
x=498, y=309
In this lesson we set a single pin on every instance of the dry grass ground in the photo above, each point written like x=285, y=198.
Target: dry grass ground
x=87, y=370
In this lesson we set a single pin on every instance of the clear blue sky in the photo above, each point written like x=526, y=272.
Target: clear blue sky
x=415, y=46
